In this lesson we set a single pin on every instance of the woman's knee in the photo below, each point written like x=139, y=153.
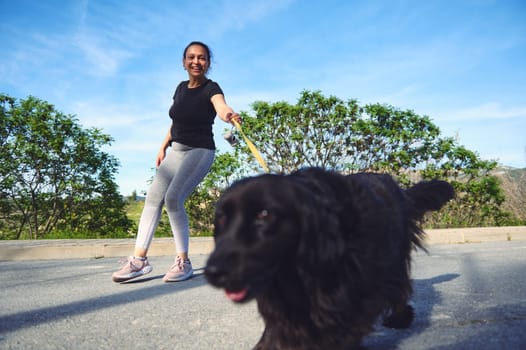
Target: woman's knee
x=174, y=203
x=154, y=199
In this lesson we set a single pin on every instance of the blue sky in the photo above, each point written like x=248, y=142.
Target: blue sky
x=115, y=64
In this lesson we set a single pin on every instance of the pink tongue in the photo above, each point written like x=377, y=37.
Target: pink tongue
x=236, y=296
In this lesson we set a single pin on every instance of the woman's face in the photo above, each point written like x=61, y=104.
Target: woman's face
x=196, y=61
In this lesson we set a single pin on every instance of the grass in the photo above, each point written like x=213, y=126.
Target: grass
x=134, y=209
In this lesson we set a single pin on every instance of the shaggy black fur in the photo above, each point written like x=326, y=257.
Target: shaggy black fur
x=323, y=254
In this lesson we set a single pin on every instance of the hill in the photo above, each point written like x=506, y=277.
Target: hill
x=513, y=182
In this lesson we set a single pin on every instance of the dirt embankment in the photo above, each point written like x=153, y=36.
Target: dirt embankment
x=514, y=186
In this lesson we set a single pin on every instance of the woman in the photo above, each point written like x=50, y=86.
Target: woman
x=196, y=102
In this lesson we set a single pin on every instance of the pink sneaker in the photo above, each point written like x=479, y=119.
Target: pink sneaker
x=180, y=271
x=132, y=268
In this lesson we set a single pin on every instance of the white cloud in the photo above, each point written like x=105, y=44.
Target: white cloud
x=239, y=14
x=487, y=111
x=103, y=61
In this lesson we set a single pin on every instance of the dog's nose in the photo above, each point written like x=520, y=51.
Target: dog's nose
x=211, y=270
x=215, y=274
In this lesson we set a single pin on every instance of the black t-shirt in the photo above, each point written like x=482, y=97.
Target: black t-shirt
x=193, y=114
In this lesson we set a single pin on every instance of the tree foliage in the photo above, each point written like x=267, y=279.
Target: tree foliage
x=54, y=175
x=344, y=136
x=314, y=132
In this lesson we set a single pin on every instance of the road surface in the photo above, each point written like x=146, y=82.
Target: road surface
x=467, y=296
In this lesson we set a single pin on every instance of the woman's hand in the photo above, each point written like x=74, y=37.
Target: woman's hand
x=160, y=157
x=164, y=146
x=234, y=117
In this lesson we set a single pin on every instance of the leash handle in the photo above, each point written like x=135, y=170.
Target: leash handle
x=251, y=146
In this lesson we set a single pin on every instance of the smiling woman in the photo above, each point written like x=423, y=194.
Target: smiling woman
x=196, y=103
x=196, y=60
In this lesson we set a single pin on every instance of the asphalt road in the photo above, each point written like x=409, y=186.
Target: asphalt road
x=467, y=296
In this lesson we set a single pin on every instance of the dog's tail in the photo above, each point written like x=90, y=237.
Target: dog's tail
x=429, y=196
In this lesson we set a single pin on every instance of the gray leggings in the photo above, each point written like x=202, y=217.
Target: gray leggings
x=180, y=172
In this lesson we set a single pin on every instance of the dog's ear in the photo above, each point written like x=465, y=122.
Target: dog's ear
x=429, y=196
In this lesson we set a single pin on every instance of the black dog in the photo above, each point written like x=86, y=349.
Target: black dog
x=323, y=254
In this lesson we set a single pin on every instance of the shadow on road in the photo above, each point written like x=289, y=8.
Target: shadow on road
x=13, y=322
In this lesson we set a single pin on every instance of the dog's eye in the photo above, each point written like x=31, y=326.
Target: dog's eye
x=220, y=220
x=262, y=216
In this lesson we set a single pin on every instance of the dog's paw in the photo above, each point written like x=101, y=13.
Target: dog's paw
x=400, y=318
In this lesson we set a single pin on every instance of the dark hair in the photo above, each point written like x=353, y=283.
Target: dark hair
x=208, y=51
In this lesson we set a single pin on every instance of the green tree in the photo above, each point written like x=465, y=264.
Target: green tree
x=54, y=175
x=479, y=194
x=314, y=132
x=341, y=135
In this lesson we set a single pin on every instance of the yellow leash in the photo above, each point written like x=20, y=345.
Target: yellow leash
x=252, y=147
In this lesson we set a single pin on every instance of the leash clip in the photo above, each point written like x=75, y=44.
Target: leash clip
x=231, y=138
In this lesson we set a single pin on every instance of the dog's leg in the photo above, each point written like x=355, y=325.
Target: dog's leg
x=401, y=317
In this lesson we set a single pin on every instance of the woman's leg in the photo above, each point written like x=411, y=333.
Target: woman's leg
x=138, y=265
x=188, y=171
x=153, y=204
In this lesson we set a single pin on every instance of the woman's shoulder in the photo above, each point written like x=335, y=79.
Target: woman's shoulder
x=213, y=87
x=181, y=86
x=212, y=82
